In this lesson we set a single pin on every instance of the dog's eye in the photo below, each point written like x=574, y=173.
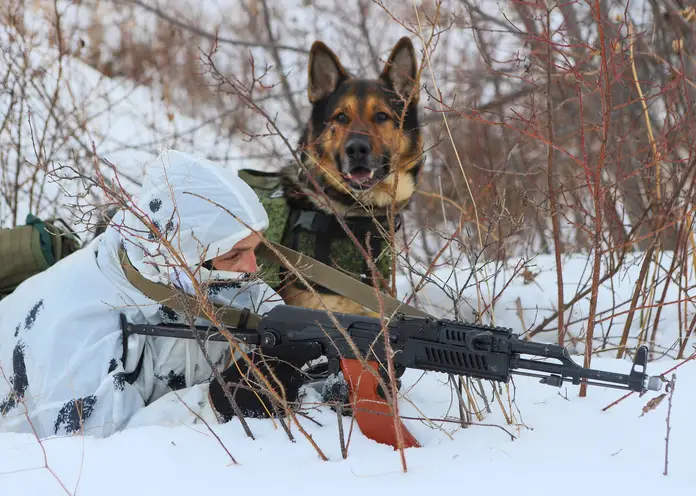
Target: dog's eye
x=341, y=118
x=381, y=117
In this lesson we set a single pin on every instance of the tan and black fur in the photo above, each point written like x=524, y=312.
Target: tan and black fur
x=362, y=147
x=390, y=146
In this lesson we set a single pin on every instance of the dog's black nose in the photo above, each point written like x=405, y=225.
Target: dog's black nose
x=358, y=149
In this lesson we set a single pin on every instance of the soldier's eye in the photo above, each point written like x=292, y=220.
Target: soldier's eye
x=341, y=118
x=381, y=117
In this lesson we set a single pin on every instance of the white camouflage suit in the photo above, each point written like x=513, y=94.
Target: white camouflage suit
x=61, y=344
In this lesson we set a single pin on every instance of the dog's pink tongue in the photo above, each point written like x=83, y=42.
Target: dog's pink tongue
x=360, y=175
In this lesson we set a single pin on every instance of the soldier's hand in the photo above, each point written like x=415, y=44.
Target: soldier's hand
x=251, y=393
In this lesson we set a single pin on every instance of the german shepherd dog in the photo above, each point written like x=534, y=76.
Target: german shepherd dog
x=361, y=154
x=362, y=149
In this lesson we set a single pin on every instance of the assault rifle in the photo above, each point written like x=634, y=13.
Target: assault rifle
x=423, y=343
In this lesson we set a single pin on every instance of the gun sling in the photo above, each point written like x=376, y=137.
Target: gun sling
x=314, y=271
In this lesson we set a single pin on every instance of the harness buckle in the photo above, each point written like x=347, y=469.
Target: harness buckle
x=397, y=222
x=312, y=221
x=384, y=222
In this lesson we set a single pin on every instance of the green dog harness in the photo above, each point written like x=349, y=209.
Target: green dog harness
x=319, y=235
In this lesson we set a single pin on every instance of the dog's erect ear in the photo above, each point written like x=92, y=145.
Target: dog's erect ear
x=325, y=72
x=401, y=70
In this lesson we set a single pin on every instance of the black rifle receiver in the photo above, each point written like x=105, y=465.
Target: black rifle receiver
x=423, y=343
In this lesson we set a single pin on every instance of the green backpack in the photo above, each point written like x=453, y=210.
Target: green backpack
x=27, y=250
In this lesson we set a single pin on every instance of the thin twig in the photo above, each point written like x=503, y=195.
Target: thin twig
x=555, y=222
x=210, y=429
x=634, y=301
x=273, y=47
x=204, y=34
x=341, y=437
x=669, y=414
x=597, y=190
x=614, y=403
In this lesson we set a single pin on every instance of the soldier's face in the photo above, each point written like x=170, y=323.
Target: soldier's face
x=241, y=258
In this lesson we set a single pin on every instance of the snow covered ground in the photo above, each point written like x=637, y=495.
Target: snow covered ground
x=566, y=445
x=562, y=443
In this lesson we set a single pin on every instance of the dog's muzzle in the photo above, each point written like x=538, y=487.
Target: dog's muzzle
x=361, y=168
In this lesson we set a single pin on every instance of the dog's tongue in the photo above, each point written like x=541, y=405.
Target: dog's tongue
x=360, y=174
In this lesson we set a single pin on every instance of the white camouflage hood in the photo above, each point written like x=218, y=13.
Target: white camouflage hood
x=201, y=208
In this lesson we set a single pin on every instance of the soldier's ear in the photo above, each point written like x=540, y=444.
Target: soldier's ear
x=401, y=70
x=325, y=72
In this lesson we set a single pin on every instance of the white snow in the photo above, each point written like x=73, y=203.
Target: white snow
x=128, y=123
x=561, y=439
x=566, y=446
x=536, y=296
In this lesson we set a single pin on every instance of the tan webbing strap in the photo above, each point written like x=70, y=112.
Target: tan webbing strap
x=313, y=270
x=181, y=302
x=337, y=281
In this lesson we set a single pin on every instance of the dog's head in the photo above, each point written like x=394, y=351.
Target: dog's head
x=364, y=135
